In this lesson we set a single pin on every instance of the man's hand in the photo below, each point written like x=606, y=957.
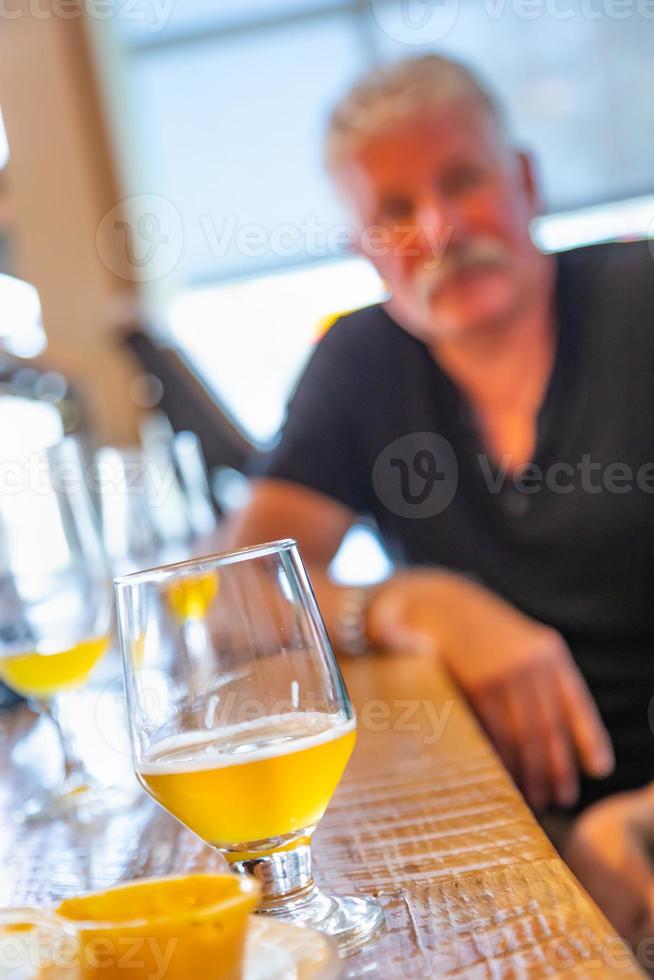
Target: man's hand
x=609, y=852
x=518, y=674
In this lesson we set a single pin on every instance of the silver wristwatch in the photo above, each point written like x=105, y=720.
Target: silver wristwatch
x=351, y=625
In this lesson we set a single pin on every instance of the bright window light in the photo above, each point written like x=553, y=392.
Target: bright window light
x=27, y=426
x=361, y=559
x=631, y=219
x=250, y=340
x=21, y=331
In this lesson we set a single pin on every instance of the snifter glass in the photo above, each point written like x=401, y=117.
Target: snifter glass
x=240, y=722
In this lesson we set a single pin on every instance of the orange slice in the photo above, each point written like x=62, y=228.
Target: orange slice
x=190, y=928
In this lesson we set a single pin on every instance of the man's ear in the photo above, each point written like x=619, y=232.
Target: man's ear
x=529, y=180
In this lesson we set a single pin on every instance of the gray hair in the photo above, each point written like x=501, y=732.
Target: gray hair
x=394, y=91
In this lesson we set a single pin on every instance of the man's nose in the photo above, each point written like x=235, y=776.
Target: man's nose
x=437, y=221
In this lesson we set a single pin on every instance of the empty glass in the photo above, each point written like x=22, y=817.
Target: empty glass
x=154, y=501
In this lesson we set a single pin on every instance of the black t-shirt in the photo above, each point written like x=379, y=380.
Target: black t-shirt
x=376, y=424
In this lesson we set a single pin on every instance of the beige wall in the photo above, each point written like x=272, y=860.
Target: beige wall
x=63, y=180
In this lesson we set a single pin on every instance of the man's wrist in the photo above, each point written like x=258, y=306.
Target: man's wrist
x=351, y=631
x=411, y=602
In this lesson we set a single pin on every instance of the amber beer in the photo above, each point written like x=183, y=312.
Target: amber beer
x=252, y=782
x=41, y=675
x=192, y=596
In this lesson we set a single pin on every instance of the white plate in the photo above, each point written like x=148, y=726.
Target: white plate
x=280, y=951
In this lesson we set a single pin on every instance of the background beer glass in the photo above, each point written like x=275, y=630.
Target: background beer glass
x=55, y=611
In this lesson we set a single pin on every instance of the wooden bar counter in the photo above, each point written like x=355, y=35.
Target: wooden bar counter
x=426, y=818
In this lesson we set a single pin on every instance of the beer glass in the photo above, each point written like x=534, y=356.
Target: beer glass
x=154, y=501
x=55, y=609
x=241, y=727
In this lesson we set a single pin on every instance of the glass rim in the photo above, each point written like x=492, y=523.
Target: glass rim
x=160, y=573
x=69, y=443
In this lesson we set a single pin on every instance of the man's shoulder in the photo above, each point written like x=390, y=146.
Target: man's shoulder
x=606, y=298
x=367, y=332
x=608, y=263
x=363, y=323
x=609, y=287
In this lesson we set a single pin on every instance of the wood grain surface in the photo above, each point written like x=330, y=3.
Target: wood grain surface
x=426, y=818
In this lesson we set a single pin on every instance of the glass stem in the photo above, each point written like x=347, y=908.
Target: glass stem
x=290, y=893
x=74, y=769
x=285, y=877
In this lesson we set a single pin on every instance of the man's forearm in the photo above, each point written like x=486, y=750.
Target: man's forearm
x=387, y=617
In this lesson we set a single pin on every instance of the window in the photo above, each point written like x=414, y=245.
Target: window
x=228, y=127
x=569, y=84
x=251, y=338
x=229, y=99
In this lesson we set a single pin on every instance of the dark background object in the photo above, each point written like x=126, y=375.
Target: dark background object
x=189, y=404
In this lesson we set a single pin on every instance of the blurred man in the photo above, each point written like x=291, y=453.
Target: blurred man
x=494, y=417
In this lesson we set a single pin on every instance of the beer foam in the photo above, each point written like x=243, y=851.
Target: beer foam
x=200, y=751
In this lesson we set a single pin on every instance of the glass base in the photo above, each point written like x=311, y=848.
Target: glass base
x=351, y=921
x=289, y=893
x=83, y=801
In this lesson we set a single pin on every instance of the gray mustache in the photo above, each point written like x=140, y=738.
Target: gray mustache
x=441, y=268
